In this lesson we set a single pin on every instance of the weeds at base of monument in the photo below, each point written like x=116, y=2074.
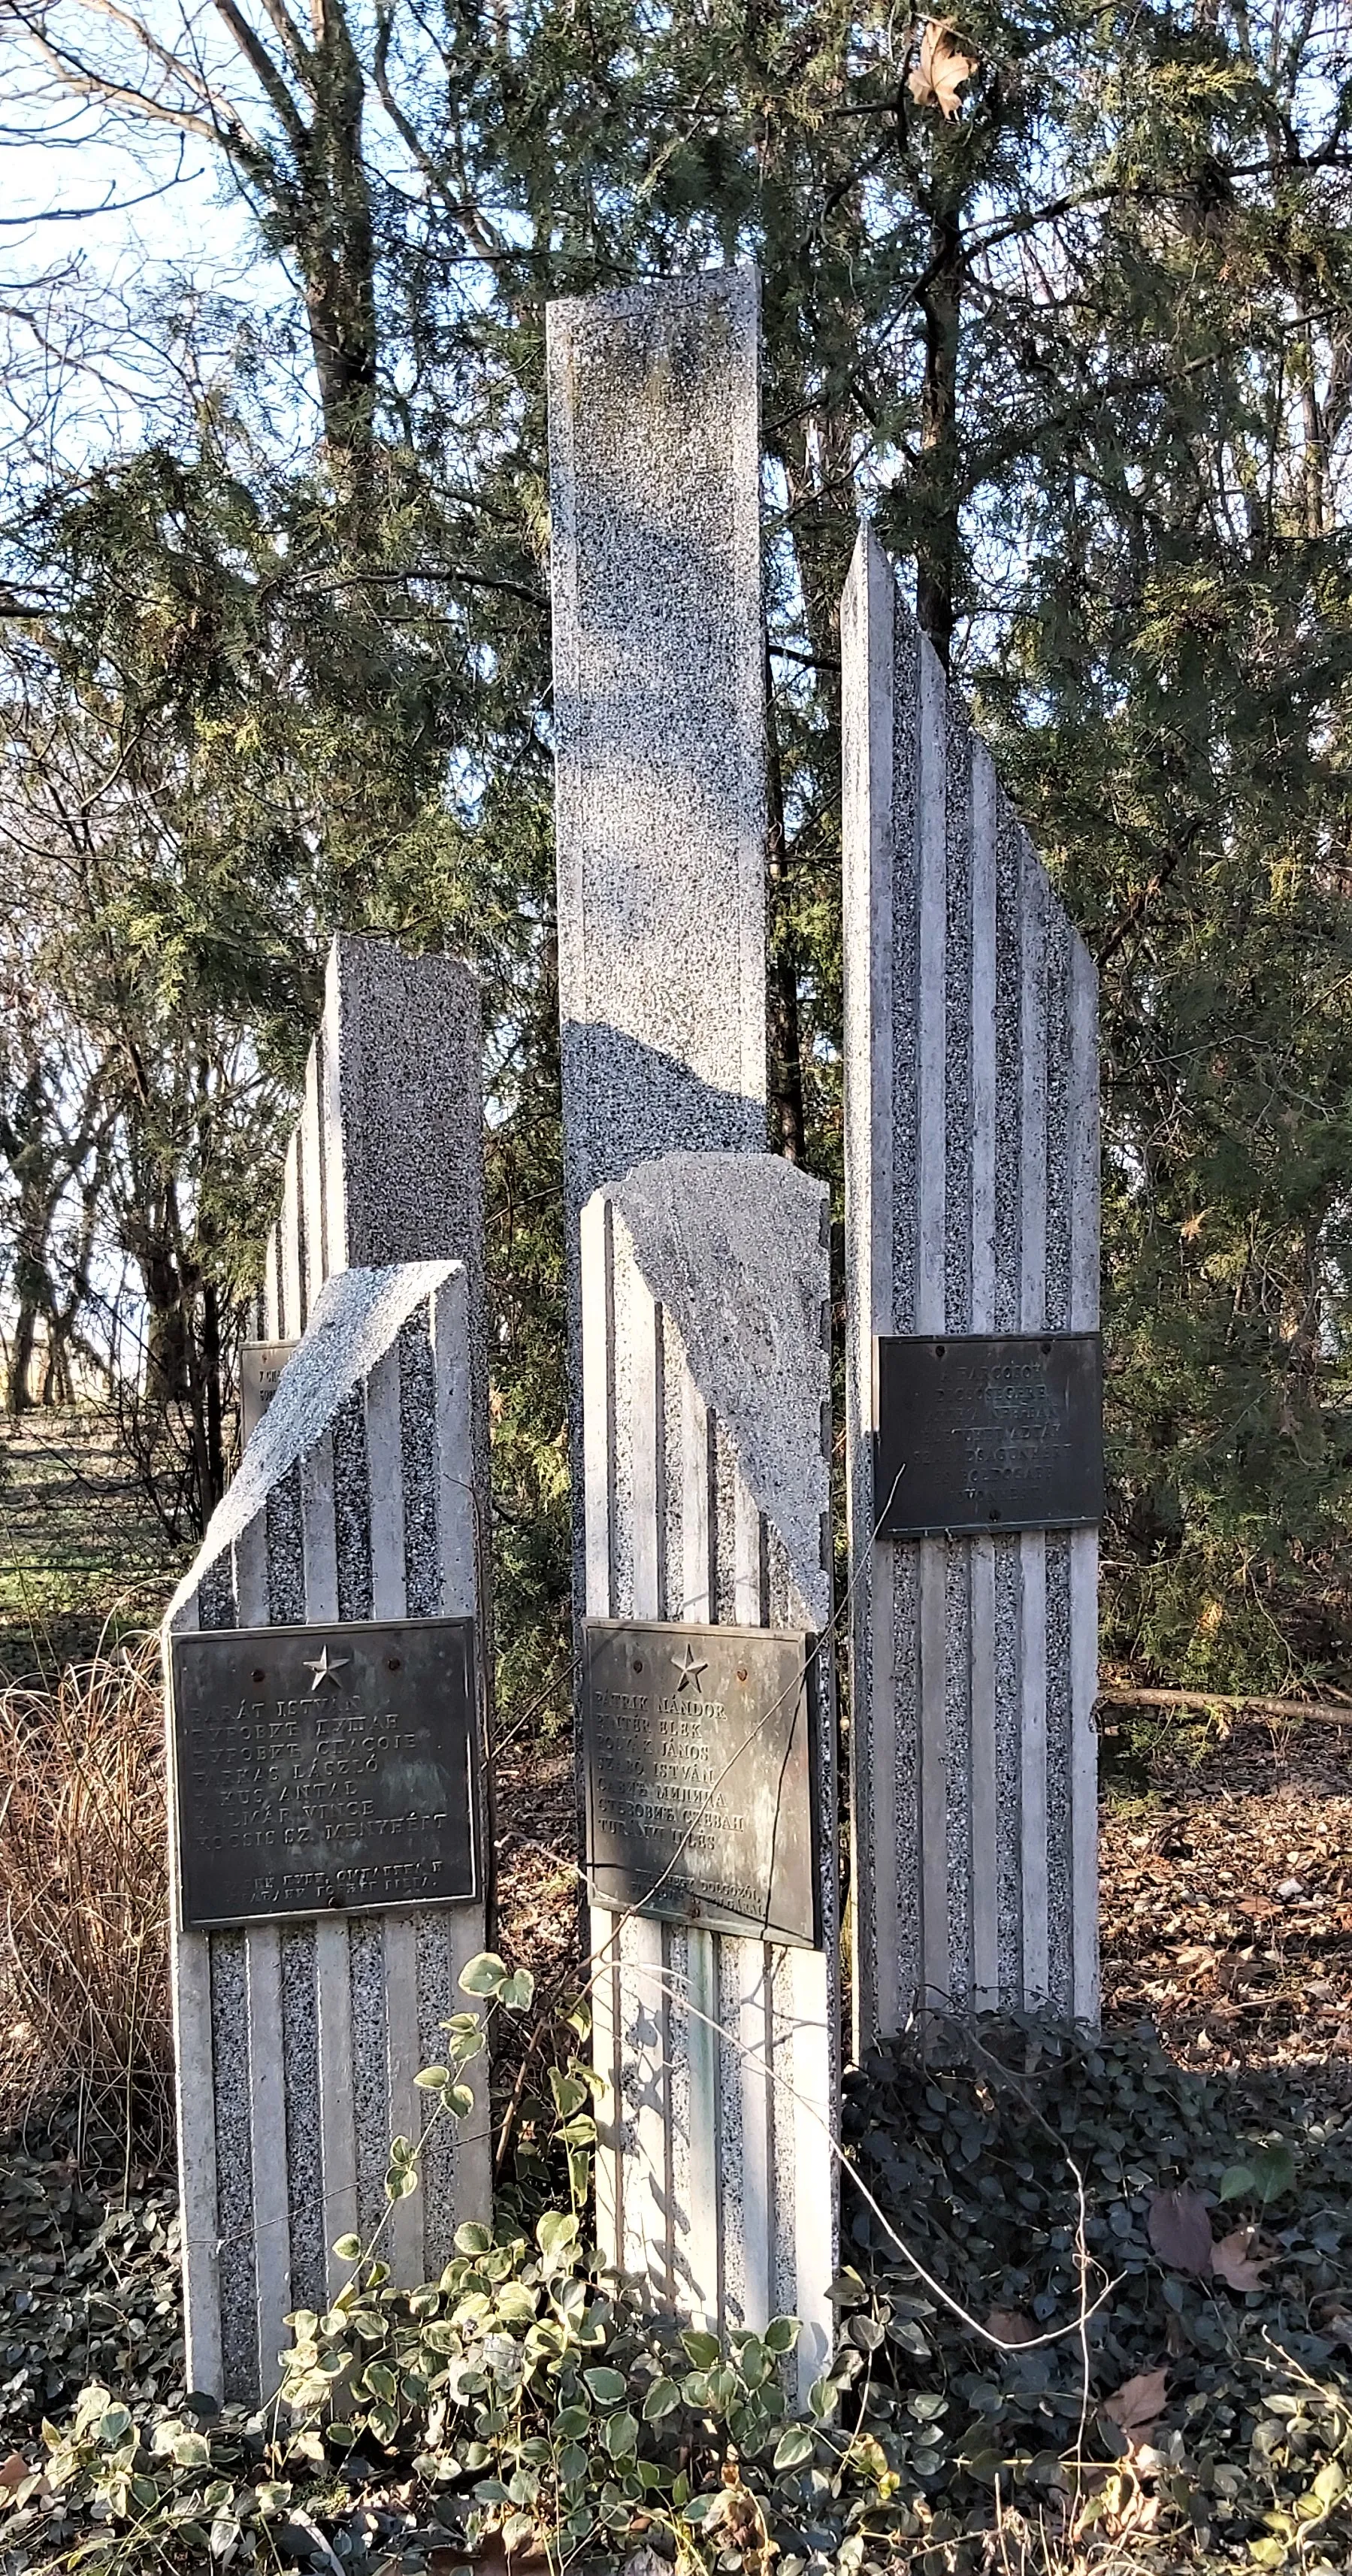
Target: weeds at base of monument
x=523, y=2408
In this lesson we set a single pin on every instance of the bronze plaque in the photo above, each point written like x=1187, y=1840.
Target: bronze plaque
x=698, y=1745
x=260, y=1366
x=324, y=1767
x=988, y=1431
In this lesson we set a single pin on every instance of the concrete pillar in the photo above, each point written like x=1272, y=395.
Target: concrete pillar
x=706, y=1339
x=971, y=1111
x=297, y=2042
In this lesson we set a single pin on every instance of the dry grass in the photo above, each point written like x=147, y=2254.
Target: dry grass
x=84, y=1985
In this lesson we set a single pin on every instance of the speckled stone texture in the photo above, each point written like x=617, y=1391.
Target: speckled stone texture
x=659, y=721
x=707, y=1430
x=386, y=1162
x=297, y=2044
x=659, y=730
x=971, y=1154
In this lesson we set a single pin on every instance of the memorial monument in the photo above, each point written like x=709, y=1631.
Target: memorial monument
x=973, y=1377
x=698, y=1287
x=327, y=1661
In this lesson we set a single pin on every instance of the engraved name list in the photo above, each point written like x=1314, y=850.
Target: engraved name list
x=324, y=1767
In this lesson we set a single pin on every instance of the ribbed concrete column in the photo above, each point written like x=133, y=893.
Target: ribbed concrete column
x=297, y=2043
x=386, y=1160
x=971, y=1206
x=707, y=1418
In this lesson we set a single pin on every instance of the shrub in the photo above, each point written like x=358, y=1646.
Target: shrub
x=84, y=1980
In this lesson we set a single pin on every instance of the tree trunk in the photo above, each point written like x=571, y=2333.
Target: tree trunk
x=335, y=243
x=938, y=485
x=18, y=1396
x=785, y=1040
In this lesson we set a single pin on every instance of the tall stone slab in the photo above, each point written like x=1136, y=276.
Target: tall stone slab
x=386, y=1160
x=706, y=1399
x=297, y=2042
x=971, y=1207
x=659, y=722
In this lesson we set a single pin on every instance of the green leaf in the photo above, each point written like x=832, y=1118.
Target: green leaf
x=620, y=2434
x=191, y=2452
x=607, y=2386
x=1274, y=2170
x=516, y=2528
x=473, y=2239
x=702, y=2348
x=573, y=2423
x=662, y=2399
x=556, y=2232
x=516, y=2304
x=781, y=2334
x=1237, y=2183
x=430, y=2079
x=484, y=1975
x=517, y=1993
x=348, y=2249
x=793, y=2447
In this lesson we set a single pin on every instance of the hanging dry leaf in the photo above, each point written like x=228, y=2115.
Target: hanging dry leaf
x=1236, y=2262
x=13, y=2473
x=739, y=2513
x=1180, y=2231
x=1138, y=2404
x=942, y=68
x=1011, y=2325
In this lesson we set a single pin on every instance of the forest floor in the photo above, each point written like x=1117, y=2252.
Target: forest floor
x=1226, y=1893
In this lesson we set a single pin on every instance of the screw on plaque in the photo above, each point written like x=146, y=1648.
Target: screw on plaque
x=392, y=1663
x=638, y=1663
x=260, y=1675
x=741, y=1672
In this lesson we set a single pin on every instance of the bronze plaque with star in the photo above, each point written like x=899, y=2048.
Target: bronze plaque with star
x=327, y=1767
x=700, y=1754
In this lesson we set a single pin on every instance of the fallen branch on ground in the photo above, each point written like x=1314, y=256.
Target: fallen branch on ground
x=1327, y=1713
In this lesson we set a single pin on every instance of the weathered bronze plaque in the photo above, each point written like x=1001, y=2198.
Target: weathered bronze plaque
x=260, y=1366
x=319, y=1767
x=988, y=1431
x=698, y=1746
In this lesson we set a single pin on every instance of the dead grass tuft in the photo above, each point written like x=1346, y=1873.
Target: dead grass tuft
x=84, y=1985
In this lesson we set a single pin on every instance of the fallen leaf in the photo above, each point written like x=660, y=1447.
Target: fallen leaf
x=13, y=2473
x=1011, y=2326
x=941, y=69
x=647, y=2562
x=1138, y=2404
x=1180, y=2230
x=1235, y=2263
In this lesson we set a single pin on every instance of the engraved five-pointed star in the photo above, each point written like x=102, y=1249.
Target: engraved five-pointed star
x=690, y=1670
x=325, y=1667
